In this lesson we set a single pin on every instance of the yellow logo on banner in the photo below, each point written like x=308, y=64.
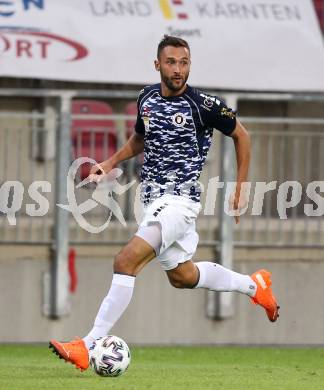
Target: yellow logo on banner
x=166, y=9
x=169, y=9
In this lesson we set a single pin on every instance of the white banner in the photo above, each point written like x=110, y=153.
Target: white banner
x=236, y=44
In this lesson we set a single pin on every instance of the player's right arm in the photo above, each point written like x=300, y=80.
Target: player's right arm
x=133, y=147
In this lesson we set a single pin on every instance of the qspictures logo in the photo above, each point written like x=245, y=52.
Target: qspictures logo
x=104, y=196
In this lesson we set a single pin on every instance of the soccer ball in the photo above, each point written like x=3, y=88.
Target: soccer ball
x=109, y=356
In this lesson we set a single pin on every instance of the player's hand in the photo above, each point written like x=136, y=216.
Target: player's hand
x=238, y=201
x=98, y=171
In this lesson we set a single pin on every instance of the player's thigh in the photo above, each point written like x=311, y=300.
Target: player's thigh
x=133, y=256
x=185, y=275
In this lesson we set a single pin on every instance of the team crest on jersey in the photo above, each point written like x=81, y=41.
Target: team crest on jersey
x=179, y=119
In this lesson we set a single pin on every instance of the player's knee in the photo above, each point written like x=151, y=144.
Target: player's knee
x=183, y=281
x=177, y=283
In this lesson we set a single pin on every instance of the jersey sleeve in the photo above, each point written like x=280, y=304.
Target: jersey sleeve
x=139, y=125
x=217, y=115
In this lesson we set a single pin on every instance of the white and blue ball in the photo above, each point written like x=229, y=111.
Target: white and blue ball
x=109, y=356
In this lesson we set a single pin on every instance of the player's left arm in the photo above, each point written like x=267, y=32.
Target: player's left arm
x=242, y=145
x=215, y=114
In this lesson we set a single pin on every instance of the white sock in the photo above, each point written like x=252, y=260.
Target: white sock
x=218, y=278
x=112, y=307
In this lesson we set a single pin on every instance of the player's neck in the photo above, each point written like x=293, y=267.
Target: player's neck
x=167, y=92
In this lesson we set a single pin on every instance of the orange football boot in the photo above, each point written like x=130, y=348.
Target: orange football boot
x=264, y=296
x=74, y=352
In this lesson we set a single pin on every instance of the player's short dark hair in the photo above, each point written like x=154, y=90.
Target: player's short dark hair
x=169, y=40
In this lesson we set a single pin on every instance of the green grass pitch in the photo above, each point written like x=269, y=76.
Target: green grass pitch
x=35, y=367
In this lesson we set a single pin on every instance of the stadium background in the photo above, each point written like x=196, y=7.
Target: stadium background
x=53, y=274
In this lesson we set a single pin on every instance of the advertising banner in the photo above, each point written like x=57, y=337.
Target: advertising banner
x=236, y=44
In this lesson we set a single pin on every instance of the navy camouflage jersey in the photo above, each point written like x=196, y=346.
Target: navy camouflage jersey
x=177, y=136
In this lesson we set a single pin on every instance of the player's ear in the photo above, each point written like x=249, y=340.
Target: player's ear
x=157, y=65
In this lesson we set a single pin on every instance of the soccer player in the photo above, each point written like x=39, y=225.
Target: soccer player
x=174, y=128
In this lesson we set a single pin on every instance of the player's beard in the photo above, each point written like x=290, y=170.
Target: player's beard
x=171, y=84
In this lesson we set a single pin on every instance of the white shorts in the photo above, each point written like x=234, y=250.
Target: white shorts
x=177, y=218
